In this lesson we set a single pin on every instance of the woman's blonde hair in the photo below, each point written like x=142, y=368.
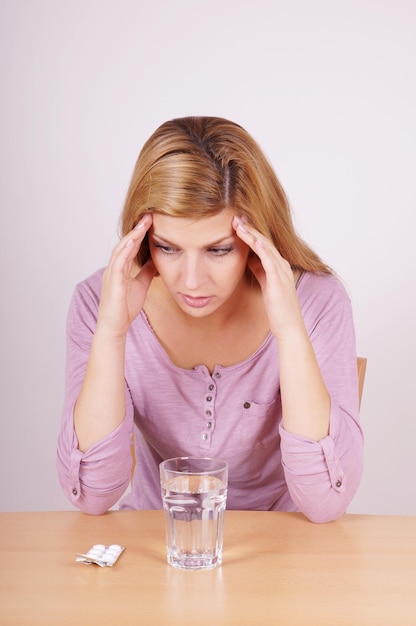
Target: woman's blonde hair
x=198, y=166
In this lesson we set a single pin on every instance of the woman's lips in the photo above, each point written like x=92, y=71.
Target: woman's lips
x=198, y=302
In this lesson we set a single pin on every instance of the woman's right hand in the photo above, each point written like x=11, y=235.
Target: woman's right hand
x=124, y=291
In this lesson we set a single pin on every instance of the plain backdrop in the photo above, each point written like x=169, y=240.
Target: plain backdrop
x=328, y=89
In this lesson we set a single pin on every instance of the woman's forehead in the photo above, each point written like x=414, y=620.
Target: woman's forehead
x=212, y=229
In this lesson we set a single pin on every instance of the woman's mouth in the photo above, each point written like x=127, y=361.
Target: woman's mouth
x=196, y=302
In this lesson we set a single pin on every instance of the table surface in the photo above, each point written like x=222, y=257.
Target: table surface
x=278, y=568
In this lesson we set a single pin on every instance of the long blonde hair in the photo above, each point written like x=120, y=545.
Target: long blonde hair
x=196, y=167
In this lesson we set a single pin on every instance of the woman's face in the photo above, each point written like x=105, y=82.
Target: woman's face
x=201, y=261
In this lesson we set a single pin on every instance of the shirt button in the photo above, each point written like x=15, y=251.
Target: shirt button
x=211, y=387
x=208, y=398
x=338, y=483
x=246, y=405
x=208, y=424
x=204, y=436
x=75, y=492
x=208, y=413
x=217, y=375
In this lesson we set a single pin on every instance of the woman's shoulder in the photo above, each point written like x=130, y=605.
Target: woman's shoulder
x=91, y=283
x=87, y=293
x=321, y=287
x=320, y=280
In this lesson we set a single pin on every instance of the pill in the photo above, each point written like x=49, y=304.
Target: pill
x=95, y=552
x=110, y=559
x=101, y=555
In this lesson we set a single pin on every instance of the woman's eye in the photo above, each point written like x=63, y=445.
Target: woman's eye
x=165, y=249
x=214, y=251
x=221, y=251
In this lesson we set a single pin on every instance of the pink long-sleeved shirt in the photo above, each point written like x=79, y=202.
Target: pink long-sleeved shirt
x=235, y=413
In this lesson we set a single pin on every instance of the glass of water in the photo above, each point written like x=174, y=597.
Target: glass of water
x=194, y=494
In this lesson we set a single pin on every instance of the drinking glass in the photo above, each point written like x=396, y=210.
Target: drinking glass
x=194, y=494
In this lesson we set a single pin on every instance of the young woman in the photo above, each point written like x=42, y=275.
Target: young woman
x=213, y=331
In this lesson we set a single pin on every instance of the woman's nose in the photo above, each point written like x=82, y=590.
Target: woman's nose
x=193, y=273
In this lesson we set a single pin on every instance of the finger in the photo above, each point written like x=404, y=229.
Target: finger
x=268, y=256
x=129, y=245
x=138, y=233
x=146, y=273
x=250, y=235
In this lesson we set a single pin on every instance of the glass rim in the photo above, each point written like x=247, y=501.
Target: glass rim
x=221, y=467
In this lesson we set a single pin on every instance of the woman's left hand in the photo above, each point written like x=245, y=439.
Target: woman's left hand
x=276, y=279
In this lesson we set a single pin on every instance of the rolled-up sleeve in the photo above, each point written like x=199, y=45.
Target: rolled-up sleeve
x=323, y=476
x=96, y=479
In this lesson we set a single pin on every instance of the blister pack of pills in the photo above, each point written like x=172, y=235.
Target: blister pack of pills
x=104, y=556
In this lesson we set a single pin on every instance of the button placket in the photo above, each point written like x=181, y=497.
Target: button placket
x=209, y=415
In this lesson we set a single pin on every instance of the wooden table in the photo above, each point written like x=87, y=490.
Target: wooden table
x=278, y=568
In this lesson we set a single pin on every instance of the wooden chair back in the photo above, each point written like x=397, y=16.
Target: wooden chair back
x=361, y=367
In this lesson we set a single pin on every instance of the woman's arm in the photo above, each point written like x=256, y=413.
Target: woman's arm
x=94, y=480
x=93, y=457
x=323, y=476
x=321, y=440
x=305, y=398
x=100, y=407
